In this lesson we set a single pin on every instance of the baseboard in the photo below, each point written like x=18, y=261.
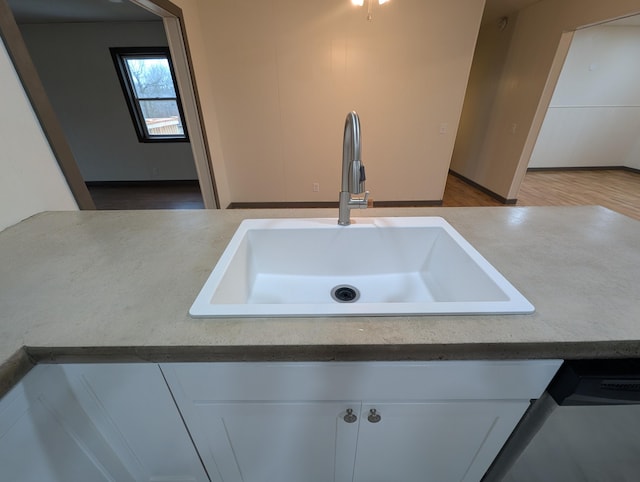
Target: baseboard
x=406, y=204
x=488, y=192
x=586, y=168
x=153, y=183
x=282, y=205
x=328, y=204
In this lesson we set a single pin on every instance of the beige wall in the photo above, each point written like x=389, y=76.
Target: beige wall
x=501, y=162
x=594, y=115
x=484, y=81
x=281, y=76
x=30, y=179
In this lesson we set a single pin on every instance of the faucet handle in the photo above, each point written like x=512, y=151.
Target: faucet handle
x=360, y=202
x=365, y=202
x=369, y=201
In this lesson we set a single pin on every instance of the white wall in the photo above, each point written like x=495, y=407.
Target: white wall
x=78, y=74
x=284, y=74
x=594, y=115
x=30, y=179
x=633, y=156
x=501, y=162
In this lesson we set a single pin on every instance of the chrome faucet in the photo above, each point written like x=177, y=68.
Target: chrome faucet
x=353, y=176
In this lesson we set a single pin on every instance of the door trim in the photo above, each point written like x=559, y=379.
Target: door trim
x=174, y=29
x=51, y=127
x=180, y=55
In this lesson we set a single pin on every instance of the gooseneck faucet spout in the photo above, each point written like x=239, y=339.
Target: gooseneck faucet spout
x=353, y=175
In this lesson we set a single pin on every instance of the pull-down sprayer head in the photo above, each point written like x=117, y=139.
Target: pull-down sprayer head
x=353, y=175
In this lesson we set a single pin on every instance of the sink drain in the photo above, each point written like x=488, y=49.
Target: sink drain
x=345, y=293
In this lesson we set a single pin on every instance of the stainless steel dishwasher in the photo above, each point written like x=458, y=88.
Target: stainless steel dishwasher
x=585, y=427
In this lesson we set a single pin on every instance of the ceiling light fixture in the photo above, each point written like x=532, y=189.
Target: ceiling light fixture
x=360, y=3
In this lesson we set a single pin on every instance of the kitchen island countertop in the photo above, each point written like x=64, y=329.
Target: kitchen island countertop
x=116, y=286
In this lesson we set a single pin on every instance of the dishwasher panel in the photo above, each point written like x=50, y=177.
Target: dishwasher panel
x=586, y=427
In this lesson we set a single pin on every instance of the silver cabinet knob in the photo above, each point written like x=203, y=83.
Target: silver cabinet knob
x=350, y=417
x=374, y=416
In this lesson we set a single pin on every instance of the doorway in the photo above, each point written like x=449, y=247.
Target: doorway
x=592, y=117
x=78, y=77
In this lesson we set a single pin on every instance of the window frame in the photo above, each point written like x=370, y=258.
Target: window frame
x=119, y=56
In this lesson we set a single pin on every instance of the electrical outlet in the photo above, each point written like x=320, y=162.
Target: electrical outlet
x=443, y=128
x=316, y=187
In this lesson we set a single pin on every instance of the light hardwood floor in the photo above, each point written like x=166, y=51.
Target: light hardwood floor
x=616, y=189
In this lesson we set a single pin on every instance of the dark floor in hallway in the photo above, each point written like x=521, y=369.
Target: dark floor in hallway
x=169, y=195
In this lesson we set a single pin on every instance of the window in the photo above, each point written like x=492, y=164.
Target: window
x=147, y=79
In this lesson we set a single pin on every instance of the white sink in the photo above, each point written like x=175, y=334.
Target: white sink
x=399, y=266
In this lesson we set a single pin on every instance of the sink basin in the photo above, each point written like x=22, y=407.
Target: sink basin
x=375, y=266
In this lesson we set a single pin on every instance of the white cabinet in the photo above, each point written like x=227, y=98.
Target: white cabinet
x=264, y=422
x=435, y=421
x=296, y=441
x=446, y=441
x=86, y=422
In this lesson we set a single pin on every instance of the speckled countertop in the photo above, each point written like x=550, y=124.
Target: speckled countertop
x=116, y=286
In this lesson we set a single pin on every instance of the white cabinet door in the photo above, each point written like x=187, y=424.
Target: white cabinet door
x=421, y=442
x=275, y=442
x=46, y=436
x=132, y=407
x=283, y=422
x=90, y=422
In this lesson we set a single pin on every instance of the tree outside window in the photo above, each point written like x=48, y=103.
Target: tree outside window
x=148, y=82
